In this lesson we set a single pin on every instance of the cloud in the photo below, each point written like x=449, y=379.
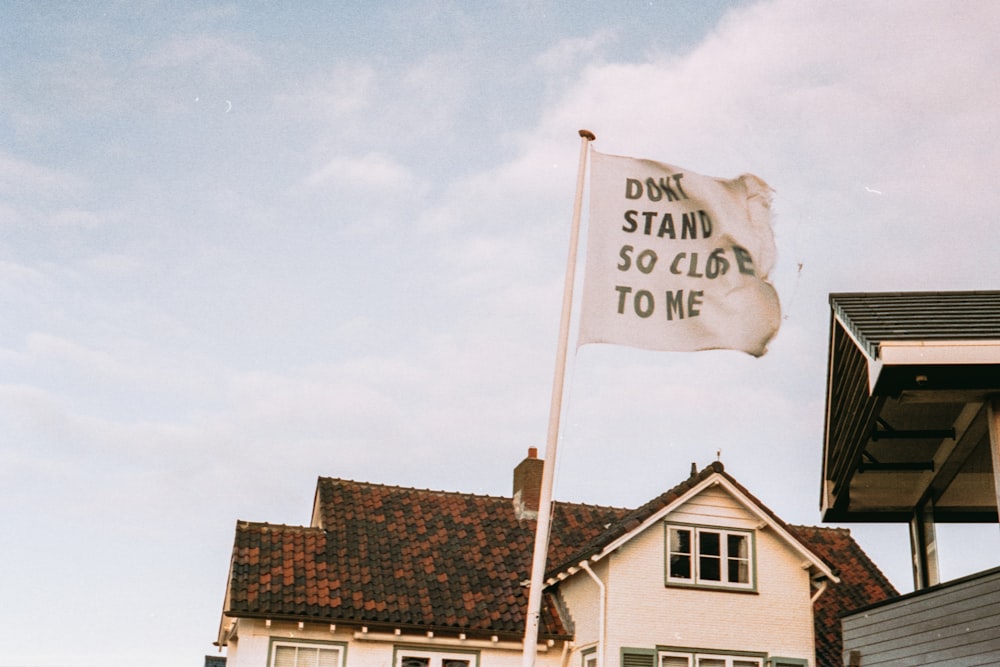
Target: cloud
x=373, y=172
x=566, y=54
x=20, y=278
x=116, y=264
x=343, y=91
x=215, y=57
x=20, y=179
x=78, y=218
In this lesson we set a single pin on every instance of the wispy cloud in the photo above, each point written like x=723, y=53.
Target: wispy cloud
x=373, y=172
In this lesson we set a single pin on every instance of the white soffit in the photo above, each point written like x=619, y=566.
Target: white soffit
x=939, y=352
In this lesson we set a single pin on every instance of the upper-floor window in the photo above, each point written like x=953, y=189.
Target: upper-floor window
x=417, y=658
x=706, y=556
x=307, y=655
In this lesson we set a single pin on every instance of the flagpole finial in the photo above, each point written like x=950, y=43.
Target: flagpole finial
x=588, y=135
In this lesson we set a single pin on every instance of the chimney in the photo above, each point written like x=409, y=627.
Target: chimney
x=528, y=485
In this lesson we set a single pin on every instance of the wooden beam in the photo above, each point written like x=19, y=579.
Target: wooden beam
x=993, y=417
x=952, y=454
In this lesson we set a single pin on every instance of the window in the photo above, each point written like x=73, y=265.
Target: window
x=679, y=659
x=417, y=658
x=590, y=658
x=306, y=655
x=709, y=557
x=716, y=661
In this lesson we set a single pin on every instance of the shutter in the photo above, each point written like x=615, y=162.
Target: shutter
x=636, y=659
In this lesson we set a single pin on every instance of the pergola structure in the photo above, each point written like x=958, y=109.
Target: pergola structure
x=913, y=413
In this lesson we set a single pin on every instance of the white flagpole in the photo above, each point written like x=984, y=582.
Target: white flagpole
x=536, y=583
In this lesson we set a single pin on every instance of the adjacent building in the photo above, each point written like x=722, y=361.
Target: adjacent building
x=913, y=436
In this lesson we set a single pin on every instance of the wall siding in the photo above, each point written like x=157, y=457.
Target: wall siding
x=643, y=612
x=251, y=648
x=581, y=595
x=957, y=624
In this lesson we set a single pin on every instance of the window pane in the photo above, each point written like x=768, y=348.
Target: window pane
x=455, y=663
x=410, y=661
x=711, y=662
x=738, y=549
x=307, y=657
x=329, y=657
x=746, y=663
x=680, y=553
x=674, y=661
x=709, y=568
x=680, y=541
x=709, y=560
x=739, y=571
x=680, y=567
x=708, y=544
x=284, y=656
x=738, y=546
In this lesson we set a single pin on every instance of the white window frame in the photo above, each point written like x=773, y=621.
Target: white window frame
x=694, y=659
x=696, y=579
x=340, y=648
x=435, y=658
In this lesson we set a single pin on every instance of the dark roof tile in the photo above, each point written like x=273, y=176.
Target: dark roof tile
x=861, y=583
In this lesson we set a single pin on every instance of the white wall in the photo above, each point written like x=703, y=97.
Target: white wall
x=254, y=637
x=643, y=612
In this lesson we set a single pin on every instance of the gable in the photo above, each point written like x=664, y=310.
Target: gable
x=714, y=506
x=710, y=496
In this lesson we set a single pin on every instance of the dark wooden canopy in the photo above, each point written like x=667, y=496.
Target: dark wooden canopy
x=912, y=384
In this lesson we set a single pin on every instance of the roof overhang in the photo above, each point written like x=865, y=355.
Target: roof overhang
x=906, y=412
x=810, y=560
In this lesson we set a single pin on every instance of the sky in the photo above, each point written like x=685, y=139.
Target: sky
x=246, y=245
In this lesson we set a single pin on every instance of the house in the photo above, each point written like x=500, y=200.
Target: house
x=703, y=575
x=913, y=436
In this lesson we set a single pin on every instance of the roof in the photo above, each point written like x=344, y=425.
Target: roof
x=408, y=558
x=395, y=557
x=875, y=317
x=861, y=583
x=908, y=379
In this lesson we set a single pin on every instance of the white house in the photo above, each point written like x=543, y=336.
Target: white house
x=704, y=575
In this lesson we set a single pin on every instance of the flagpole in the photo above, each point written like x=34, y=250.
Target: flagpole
x=536, y=582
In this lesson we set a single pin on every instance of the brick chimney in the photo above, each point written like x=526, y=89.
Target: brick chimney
x=528, y=485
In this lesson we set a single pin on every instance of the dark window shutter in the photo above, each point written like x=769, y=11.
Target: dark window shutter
x=634, y=658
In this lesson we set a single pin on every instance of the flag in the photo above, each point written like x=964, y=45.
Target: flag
x=676, y=260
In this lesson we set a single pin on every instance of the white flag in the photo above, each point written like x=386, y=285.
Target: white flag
x=676, y=260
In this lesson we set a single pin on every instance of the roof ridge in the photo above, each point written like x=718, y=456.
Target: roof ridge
x=815, y=527
x=265, y=524
x=636, y=516
x=399, y=487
